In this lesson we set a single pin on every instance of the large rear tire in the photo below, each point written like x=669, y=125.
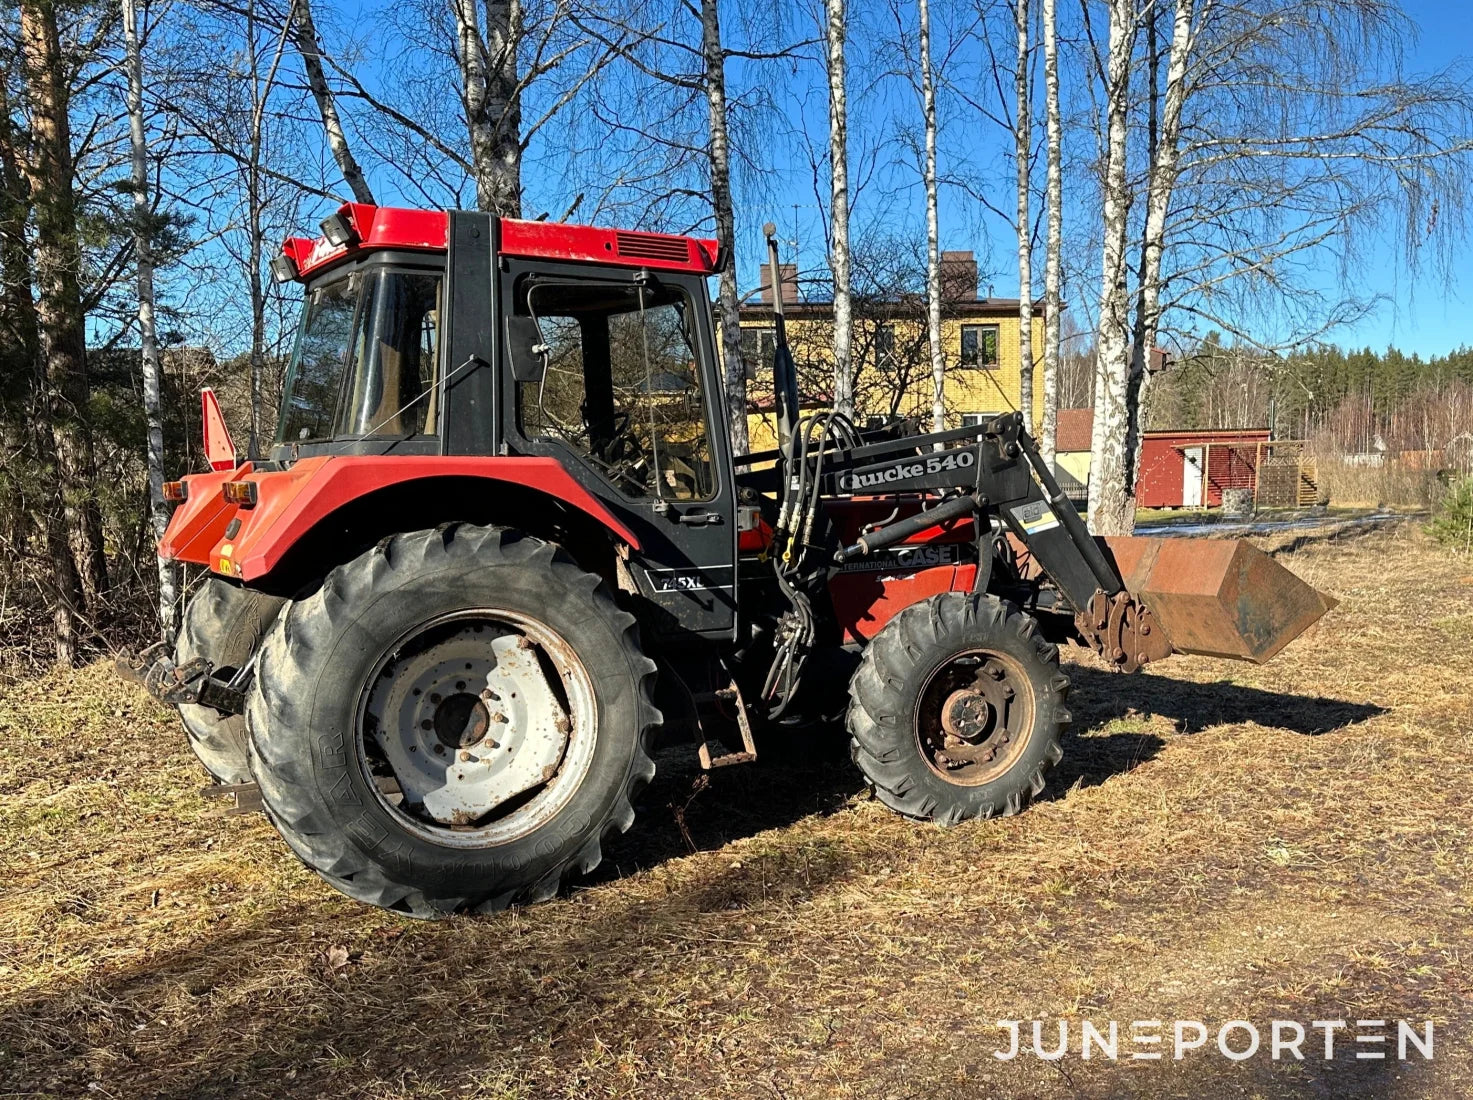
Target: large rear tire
x=453, y=722
x=224, y=624
x=957, y=709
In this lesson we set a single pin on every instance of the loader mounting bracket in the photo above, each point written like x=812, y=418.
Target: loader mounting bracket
x=1122, y=631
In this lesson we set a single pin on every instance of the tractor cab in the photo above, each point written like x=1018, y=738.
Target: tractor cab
x=453, y=364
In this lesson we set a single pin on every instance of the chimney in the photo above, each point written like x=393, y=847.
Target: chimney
x=958, y=277
x=787, y=275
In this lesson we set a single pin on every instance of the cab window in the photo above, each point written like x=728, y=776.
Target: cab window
x=618, y=381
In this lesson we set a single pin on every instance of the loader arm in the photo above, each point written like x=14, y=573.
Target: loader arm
x=1197, y=596
x=1133, y=600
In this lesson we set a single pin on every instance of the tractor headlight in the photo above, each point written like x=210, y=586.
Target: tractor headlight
x=283, y=268
x=338, y=230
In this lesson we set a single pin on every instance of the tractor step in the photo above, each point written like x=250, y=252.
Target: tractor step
x=714, y=753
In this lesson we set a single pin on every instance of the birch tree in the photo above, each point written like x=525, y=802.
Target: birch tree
x=933, y=224
x=1053, y=261
x=1023, y=165
x=839, y=259
x=1163, y=148
x=1111, y=509
x=304, y=35
x=147, y=335
x=492, y=100
x=668, y=144
x=261, y=87
x=718, y=156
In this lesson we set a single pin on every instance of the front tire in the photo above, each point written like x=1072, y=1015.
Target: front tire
x=957, y=709
x=453, y=722
x=224, y=624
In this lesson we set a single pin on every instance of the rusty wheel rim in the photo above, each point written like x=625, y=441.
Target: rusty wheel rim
x=974, y=717
x=476, y=728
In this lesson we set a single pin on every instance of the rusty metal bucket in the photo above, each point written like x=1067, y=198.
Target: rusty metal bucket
x=1218, y=597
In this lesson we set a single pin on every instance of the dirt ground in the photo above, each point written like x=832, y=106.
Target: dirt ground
x=1221, y=842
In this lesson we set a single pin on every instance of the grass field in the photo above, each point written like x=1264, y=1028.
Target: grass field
x=1221, y=842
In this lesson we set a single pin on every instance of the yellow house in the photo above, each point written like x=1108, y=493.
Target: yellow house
x=891, y=353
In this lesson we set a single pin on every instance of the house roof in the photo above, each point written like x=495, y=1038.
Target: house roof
x=1075, y=427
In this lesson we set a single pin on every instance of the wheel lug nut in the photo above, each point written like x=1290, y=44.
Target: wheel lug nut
x=440, y=749
x=465, y=755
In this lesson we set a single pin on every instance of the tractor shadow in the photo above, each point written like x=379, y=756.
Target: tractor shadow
x=686, y=810
x=1098, y=699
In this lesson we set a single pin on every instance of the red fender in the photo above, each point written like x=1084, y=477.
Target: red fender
x=290, y=502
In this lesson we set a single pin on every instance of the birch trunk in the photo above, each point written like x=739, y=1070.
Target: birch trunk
x=58, y=265
x=492, y=100
x=1053, y=261
x=1165, y=158
x=305, y=36
x=839, y=212
x=1111, y=510
x=1022, y=154
x=718, y=157
x=148, y=339
x=933, y=228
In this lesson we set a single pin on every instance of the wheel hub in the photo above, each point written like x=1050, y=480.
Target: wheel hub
x=468, y=723
x=972, y=723
x=968, y=714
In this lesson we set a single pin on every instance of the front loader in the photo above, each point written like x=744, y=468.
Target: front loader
x=501, y=546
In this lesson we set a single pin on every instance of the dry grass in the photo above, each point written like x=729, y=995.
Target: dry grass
x=1222, y=842
x=1392, y=485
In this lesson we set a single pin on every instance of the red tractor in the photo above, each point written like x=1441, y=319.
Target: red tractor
x=501, y=543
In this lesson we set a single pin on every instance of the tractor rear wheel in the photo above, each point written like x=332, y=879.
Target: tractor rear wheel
x=224, y=624
x=453, y=722
x=957, y=709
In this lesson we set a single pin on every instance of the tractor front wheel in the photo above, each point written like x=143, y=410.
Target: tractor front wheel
x=957, y=709
x=452, y=722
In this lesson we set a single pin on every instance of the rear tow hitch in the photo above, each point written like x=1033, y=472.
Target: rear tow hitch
x=192, y=682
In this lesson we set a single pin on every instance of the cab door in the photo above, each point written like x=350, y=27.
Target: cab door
x=612, y=372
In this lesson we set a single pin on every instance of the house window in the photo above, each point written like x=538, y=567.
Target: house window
x=758, y=347
x=976, y=420
x=979, y=346
x=884, y=346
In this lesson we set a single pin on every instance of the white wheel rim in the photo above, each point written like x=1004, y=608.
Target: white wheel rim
x=476, y=728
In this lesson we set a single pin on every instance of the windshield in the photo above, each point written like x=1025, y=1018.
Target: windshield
x=366, y=360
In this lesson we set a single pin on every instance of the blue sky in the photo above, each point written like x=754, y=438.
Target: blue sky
x=1424, y=313
x=1427, y=315
x=1427, y=312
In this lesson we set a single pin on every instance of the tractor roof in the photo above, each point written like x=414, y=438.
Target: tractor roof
x=358, y=227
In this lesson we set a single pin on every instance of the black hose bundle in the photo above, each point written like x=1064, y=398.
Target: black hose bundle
x=795, y=567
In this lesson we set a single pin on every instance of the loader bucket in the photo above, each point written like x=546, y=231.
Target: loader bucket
x=1218, y=597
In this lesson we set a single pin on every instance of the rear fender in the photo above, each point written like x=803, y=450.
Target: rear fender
x=299, y=502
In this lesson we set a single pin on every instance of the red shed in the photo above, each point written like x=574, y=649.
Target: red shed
x=1190, y=468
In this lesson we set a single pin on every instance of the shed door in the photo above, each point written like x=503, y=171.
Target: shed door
x=1191, y=477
